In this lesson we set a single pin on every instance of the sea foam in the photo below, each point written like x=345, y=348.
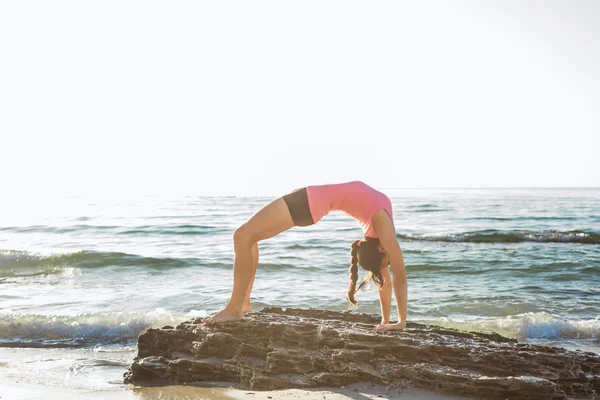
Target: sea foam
x=86, y=328
x=532, y=325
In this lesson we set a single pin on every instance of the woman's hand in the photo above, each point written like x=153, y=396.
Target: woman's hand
x=399, y=326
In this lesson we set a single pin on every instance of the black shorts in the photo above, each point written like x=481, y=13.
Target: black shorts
x=297, y=203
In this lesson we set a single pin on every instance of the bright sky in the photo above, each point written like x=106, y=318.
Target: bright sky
x=261, y=97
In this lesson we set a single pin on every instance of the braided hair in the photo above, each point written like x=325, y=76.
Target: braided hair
x=366, y=252
x=353, y=271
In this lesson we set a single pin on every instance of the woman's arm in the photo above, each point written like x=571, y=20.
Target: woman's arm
x=385, y=295
x=384, y=227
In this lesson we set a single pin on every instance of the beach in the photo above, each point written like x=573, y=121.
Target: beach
x=82, y=277
x=358, y=391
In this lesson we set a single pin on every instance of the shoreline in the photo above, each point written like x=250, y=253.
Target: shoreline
x=216, y=391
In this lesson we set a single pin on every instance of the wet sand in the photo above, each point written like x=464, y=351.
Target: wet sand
x=359, y=391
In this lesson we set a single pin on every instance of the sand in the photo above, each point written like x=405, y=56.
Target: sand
x=359, y=391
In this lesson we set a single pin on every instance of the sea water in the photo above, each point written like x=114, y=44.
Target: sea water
x=82, y=277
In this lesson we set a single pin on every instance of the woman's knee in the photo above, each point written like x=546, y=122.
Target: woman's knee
x=243, y=236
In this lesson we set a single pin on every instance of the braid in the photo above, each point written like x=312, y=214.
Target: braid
x=353, y=272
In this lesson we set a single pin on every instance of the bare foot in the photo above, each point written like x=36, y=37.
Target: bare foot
x=246, y=308
x=223, y=316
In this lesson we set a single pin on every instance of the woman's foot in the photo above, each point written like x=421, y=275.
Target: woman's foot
x=224, y=315
x=246, y=308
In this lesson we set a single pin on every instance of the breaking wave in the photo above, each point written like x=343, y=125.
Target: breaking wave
x=531, y=325
x=495, y=236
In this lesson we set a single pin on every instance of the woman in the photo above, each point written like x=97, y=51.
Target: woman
x=303, y=207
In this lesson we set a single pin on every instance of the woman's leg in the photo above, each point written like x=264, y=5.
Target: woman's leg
x=247, y=307
x=271, y=220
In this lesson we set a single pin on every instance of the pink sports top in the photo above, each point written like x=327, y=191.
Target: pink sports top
x=357, y=199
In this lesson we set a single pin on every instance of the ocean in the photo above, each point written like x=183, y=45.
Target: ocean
x=82, y=277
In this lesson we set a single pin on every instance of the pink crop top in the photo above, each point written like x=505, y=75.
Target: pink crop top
x=357, y=199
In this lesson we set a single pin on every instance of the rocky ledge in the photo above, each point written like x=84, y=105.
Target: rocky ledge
x=294, y=348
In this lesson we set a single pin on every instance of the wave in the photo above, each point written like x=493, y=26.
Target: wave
x=432, y=268
x=175, y=230
x=553, y=271
x=427, y=208
x=274, y=267
x=31, y=330
x=309, y=247
x=56, y=229
x=24, y=264
x=496, y=236
x=522, y=218
x=20, y=263
x=531, y=325
x=178, y=230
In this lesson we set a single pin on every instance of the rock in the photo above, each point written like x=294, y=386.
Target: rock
x=295, y=348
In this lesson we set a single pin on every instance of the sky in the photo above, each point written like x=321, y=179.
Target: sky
x=262, y=97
